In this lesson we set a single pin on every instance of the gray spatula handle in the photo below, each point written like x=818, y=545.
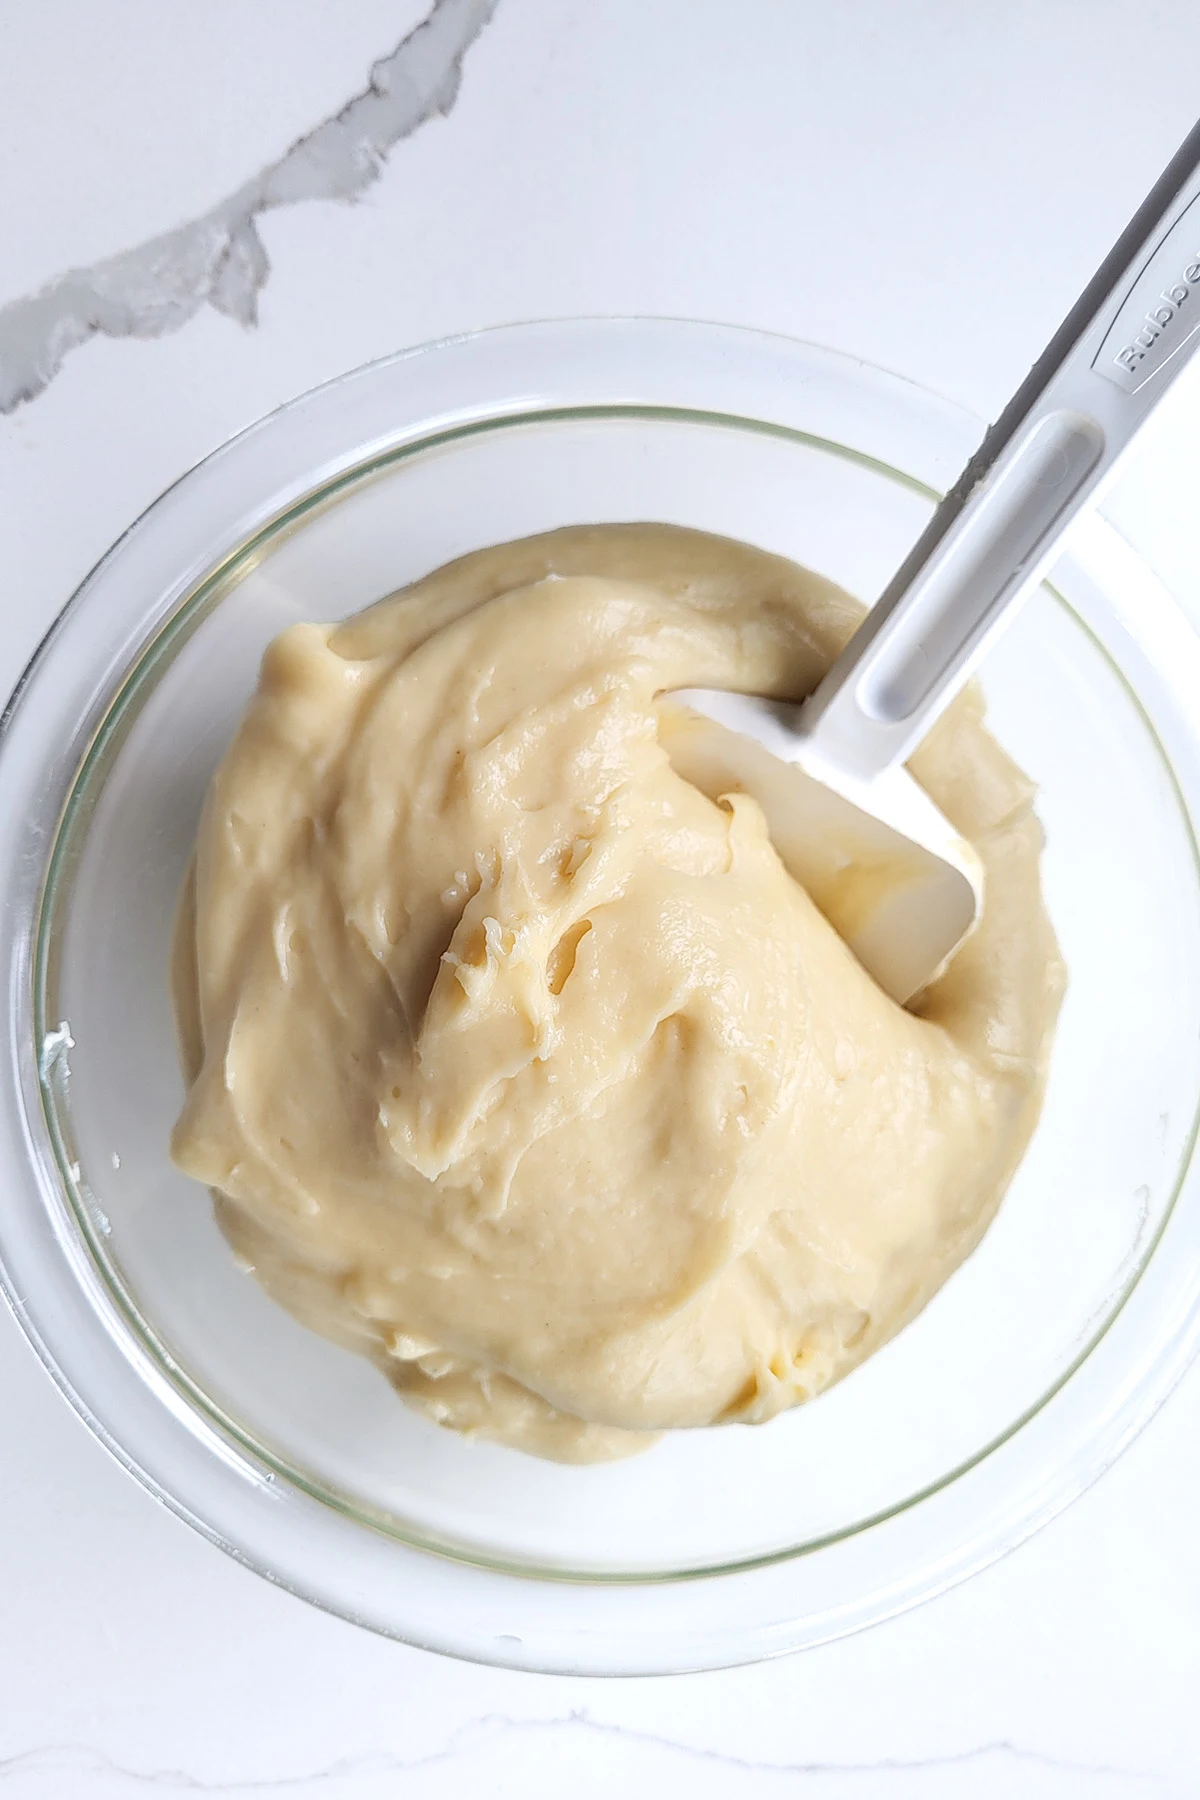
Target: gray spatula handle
x=994, y=535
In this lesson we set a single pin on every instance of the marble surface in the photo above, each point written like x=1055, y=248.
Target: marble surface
x=208, y=208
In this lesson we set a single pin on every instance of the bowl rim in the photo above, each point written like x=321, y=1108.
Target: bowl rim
x=638, y=351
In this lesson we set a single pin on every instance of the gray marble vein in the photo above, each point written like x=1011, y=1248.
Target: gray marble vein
x=483, y=1734
x=219, y=259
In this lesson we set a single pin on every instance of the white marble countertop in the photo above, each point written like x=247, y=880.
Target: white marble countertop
x=924, y=185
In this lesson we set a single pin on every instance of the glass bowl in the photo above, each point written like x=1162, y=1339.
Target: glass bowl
x=1018, y=1384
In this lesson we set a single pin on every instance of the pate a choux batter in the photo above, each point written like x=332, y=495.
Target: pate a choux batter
x=525, y=1068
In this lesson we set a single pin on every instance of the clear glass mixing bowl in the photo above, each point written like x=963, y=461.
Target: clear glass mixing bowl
x=1028, y=1372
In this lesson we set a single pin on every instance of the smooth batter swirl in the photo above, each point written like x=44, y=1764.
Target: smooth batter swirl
x=521, y=1065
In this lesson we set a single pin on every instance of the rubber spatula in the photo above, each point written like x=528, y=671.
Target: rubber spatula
x=885, y=866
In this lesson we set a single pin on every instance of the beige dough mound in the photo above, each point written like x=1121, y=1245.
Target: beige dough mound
x=524, y=1067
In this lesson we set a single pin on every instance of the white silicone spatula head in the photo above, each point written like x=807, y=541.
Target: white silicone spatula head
x=882, y=863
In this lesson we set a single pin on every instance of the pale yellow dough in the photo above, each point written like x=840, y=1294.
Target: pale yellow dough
x=524, y=1067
